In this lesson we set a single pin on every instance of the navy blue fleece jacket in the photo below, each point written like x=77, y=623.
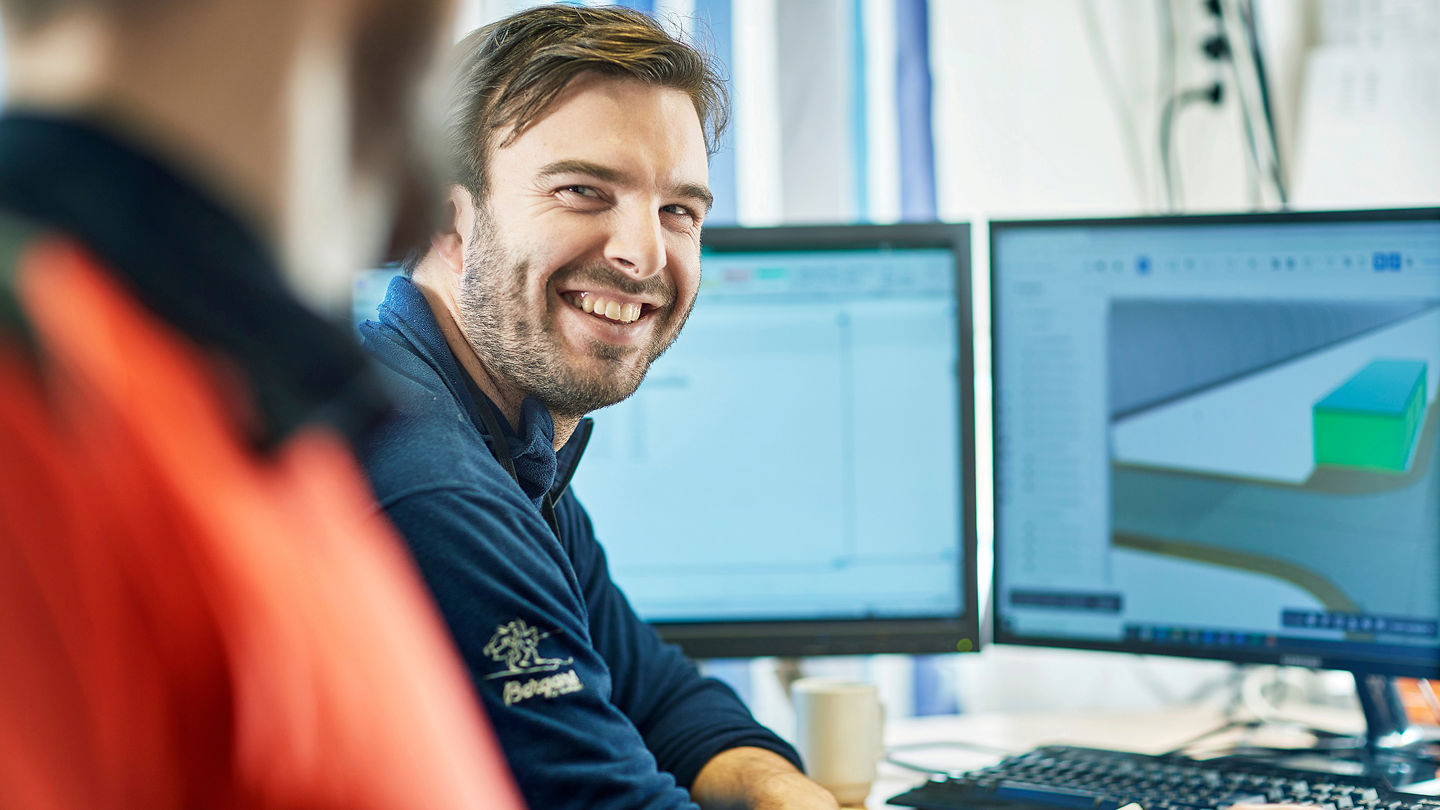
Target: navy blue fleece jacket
x=591, y=708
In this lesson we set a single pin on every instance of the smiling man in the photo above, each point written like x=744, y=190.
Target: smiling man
x=571, y=261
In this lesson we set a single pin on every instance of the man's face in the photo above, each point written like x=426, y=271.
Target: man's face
x=585, y=257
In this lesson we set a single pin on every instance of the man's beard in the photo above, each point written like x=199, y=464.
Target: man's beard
x=518, y=346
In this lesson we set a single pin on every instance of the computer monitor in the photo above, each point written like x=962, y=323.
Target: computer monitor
x=1215, y=436
x=795, y=475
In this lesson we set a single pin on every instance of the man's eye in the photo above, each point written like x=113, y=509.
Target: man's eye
x=584, y=191
x=679, y=211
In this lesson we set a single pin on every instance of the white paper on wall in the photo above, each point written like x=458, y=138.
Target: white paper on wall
x=1369, y=129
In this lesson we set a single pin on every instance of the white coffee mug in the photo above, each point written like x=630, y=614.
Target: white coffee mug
x=838, y=729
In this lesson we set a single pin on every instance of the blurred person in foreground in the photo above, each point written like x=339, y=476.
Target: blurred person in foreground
x=193, y=612
x=570, y=260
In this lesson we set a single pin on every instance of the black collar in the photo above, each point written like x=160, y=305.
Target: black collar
x=193, y=264
x=527, y=451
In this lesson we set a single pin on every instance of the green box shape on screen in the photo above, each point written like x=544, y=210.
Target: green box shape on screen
x=1370, y=421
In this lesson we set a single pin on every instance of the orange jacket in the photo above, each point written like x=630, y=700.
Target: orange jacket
x=185, y=622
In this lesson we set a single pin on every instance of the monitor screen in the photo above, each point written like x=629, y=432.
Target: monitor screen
x=1216, y=437
x=794, y=475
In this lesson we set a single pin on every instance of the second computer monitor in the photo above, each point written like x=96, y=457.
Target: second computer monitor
x=795, y=475
x=1217, y=437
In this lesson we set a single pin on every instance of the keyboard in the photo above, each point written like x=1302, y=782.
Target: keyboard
x=1062, y=777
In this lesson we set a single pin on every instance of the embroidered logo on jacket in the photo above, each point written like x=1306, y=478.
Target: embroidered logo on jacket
x=551, y=687
x=517, y=646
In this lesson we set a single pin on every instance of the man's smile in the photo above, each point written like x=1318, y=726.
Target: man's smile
x=609, y=306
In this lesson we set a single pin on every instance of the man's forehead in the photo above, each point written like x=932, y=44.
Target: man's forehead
x=593, y=107
x=616, y=129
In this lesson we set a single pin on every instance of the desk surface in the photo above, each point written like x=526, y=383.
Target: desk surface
x=1150, y=732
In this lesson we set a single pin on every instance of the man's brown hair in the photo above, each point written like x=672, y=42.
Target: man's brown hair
x=508, y=74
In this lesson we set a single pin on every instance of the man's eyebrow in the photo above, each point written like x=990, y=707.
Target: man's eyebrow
x=694, y=191
x=697, y=192
x=595, y=170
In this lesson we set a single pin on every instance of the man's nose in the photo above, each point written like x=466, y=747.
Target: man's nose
x=637, y=243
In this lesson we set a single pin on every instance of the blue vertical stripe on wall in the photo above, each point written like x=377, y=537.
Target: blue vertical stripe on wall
x=714, y=17
x=934, y=693
x=917, y=144
x=859, y=124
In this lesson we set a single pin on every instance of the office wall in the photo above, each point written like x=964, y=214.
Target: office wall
x=1053, y=106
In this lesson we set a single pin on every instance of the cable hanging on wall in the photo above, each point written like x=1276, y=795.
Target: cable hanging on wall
x=1235, y=22
x=1176, y=100
x=1253, y=88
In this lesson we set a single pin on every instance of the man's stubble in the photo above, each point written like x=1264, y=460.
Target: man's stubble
x=515, y=339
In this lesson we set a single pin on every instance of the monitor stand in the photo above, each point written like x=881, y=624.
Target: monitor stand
x=1387, y=728
x=1389, y=748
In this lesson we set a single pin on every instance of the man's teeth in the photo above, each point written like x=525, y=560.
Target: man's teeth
x=613, y=310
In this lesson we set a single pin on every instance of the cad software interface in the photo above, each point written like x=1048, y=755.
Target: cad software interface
x=795, y=455
x=1220, y=435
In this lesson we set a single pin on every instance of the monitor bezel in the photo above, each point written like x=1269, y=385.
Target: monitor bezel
x=1241, y=655
x=735, y=638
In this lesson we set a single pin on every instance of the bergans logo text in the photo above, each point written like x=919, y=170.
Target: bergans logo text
x=549, y=688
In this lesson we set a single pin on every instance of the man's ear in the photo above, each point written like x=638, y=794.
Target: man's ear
x=457, y=226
